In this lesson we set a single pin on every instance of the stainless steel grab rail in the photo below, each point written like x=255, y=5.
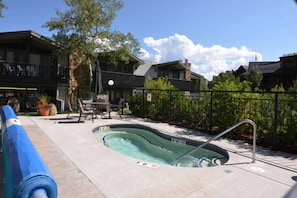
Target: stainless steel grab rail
x=221, y=134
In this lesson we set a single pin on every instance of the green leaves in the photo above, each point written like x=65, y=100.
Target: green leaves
x=85, y=28
x=222, y=77
x=254, y=76
x=160, y=83
x=2, y=6
x=232, y=86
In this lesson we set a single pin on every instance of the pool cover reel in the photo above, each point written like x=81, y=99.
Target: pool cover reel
x=25, y=171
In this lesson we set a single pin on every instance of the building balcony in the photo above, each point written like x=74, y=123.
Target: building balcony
x=183, y=85
x=122, y=80
x=11, y=72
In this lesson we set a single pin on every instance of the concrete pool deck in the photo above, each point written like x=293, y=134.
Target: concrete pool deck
x=83, y=167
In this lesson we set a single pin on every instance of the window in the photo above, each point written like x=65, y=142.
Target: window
x=34, y=59
x=20, y=57
x=2, y=55
x=175, y=74
x=10, y=56
x=163, y=73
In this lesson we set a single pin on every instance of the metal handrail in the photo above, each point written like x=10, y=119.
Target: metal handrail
x=221, y=134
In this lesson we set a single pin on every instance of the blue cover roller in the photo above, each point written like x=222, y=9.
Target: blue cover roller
x=26, y=175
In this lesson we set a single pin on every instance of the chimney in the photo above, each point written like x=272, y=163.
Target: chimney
x=188, y=70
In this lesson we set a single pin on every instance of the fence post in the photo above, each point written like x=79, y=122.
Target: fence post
x=142, y=101
x=275, y=119
x=210, y=111
x=170, y=103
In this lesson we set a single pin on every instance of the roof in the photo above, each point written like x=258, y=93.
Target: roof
x=17, y=38
x=143, y=69
x=20, y=35
x=269, y=68
x=172, y=64
x=266, y=67
x=261, y=63
x=196, y=76
x=133, y=58
x=288, y=55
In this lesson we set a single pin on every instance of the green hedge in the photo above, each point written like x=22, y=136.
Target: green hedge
x=275, y=113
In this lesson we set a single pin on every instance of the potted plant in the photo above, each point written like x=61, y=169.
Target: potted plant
x=43, y=106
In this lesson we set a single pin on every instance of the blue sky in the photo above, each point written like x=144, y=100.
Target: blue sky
x=215, y=36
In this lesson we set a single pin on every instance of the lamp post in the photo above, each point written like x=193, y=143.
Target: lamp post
x=110, y=84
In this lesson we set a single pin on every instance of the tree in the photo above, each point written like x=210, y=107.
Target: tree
x=161, y=92
x=84, y=30
x=254, y=76
x=158, y=84
x=222, y=77
x=2, y=6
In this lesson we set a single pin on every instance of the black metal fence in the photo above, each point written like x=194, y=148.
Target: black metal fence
x=275, y=113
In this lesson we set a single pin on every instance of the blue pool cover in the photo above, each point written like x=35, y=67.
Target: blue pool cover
x=25, y=171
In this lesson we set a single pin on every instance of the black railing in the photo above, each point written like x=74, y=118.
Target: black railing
x=26, y=72
x=184, y=85
x=275, y=113
x=122, y=80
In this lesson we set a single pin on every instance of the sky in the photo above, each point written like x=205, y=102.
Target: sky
x=215, y=36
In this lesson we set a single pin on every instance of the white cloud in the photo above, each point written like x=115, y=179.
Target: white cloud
x=207, y=61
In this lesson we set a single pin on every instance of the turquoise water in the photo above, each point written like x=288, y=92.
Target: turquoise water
x=147, y=146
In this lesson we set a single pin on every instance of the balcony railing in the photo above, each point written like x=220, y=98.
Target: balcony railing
x=183, y=85
x=122, y=80
x=25, y=72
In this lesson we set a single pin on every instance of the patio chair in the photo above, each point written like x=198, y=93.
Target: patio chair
x=105, y=107
x=70, y=110
x=30, y=107
x=85, y=110
x=122, y=104
x=119, y=107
